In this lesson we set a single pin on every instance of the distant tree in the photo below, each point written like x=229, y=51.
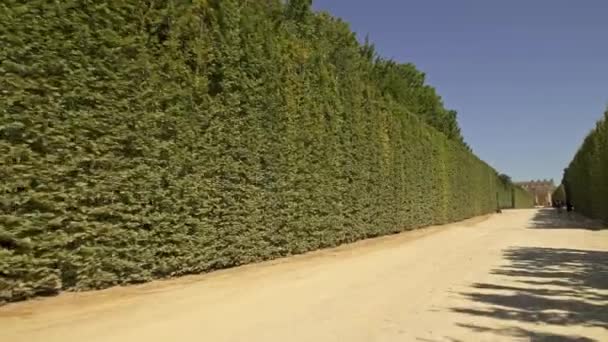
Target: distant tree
x=505, y=179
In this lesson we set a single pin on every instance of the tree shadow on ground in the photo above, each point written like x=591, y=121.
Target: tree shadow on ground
x=528, y=334
x=554, y=219
x=513, y=332
x=551, y=286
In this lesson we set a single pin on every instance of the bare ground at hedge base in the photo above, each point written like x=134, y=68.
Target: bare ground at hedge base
x=529, y=275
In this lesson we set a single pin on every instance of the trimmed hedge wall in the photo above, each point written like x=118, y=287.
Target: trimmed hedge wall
x=522, y=198
x=141, y=140
x=559, y=194
x=586, y=179
x=511, y=196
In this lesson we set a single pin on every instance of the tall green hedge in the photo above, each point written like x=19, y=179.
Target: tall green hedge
x=146, y=139
x=559, y=194
x=511, y=196
x=522, y=198
x=586, y=179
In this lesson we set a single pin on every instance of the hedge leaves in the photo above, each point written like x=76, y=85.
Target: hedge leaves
x=147, y=139
x=586, y=179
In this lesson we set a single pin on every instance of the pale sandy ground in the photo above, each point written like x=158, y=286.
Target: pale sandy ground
x=524, y=275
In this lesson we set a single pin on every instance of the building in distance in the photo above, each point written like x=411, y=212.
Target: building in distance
x=541, y=189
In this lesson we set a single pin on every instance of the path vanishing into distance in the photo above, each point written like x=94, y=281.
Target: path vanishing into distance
x=529, y=275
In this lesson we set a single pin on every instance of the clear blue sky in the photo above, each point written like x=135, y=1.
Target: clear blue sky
x=529, y=78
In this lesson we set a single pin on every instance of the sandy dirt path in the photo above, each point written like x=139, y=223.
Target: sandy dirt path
x=524, y=275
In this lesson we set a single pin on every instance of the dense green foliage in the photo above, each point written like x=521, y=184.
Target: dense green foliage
x=146, y=139
x=559, y=195
x=512, y=196
x=586, y=179
x=522, y=198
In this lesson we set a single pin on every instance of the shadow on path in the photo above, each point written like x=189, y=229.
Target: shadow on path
x=528, y=334
x=552, y=286
x=553, y=219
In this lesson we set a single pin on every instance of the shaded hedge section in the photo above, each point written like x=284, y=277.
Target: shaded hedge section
x=141, y=140
x=511, y=196
x=559, y=194
x=514, y=197
x=586, y=178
